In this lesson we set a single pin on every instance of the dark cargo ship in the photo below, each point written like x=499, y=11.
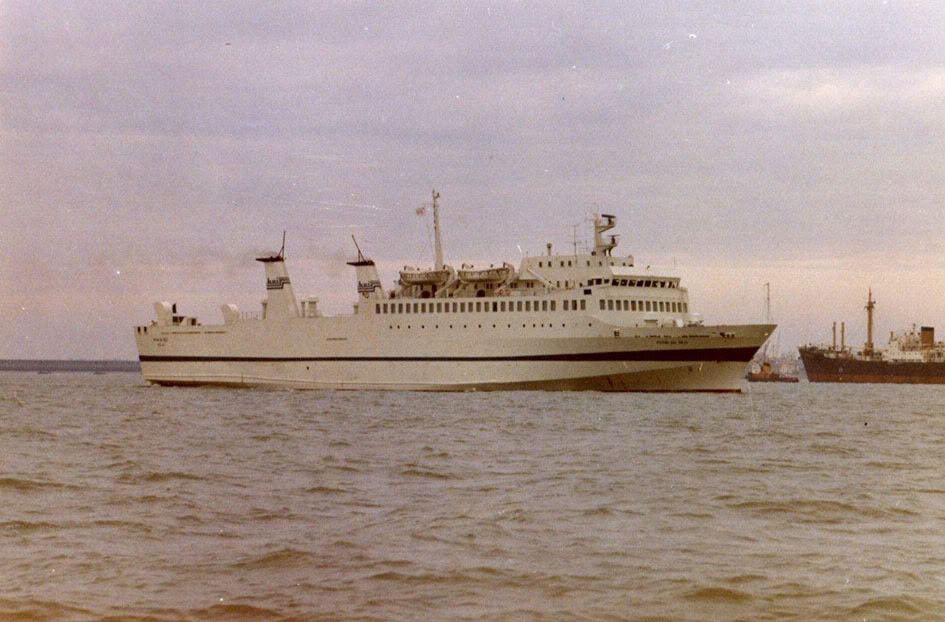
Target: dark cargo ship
x=912, y=357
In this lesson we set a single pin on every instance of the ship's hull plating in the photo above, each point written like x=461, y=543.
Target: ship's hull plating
x=658, y=359
x=821, y=368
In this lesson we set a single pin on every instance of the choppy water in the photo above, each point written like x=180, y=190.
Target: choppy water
x=802, y=502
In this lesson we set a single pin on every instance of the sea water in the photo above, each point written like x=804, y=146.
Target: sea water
x=124, y=501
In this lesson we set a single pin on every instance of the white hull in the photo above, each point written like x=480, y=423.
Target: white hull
x=693, y=376
x=319, y=354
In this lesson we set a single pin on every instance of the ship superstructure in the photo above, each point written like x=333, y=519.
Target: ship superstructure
x=591, y=320
x=911, y=357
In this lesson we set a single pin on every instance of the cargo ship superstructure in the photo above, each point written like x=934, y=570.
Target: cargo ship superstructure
x=911, y=357
x=580, y=321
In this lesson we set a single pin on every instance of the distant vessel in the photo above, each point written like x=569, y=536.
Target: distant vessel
x=766, y=374
x=912, y=357
x=762, y=370
x=583, y=321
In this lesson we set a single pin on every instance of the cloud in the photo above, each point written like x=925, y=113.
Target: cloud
x=849, y=90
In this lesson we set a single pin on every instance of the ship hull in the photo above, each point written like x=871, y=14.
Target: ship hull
x=821, y=368
x=320, y=354
x=696, y=376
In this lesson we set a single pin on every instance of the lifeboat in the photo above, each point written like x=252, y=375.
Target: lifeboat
x=415, y=276
x=469, y=274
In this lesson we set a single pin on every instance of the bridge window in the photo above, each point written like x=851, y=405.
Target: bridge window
x=583, y=305
x=552, y=305
x=603, y=304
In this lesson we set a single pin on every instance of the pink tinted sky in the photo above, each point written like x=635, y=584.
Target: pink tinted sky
x=148, y=151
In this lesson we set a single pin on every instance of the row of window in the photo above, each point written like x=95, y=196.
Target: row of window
x=423, y=326
x=634, y=283
x=503, y=306
x=550, y=264
x=665, y=306
x=498, y=306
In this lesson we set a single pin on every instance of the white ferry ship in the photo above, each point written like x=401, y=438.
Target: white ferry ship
x=591, y=321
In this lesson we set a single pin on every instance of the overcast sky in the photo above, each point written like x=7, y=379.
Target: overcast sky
x=149, y=150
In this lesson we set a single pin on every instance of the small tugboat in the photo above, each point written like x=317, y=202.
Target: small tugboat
x=762, y=371
x=766, y=374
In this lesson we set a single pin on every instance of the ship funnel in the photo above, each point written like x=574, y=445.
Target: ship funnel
x=280, y=296
x=843, y=335
x=834, y=335
x=369, y=282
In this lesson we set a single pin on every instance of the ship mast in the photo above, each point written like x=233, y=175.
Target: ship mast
x=436, y=231
x=767, y=303
x=870, y=305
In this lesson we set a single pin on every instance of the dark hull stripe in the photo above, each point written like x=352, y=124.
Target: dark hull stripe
x=741, y=355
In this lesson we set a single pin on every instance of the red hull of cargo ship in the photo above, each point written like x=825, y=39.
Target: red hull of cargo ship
x=823, y=368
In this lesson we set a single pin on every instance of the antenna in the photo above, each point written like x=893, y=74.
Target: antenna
x=767, y=303
x=282, y=250
x=438, y=251
x=360, y=254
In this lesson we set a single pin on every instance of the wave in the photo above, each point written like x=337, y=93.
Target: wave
x=718, y=594
x=819, y=510
x=157, y=476
x=28, y=485
x=32, y=609
x=236, y=611
x=282, y=558
x=20, y=526
x=903, y=607
x=328, y=490
x=419, y=472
